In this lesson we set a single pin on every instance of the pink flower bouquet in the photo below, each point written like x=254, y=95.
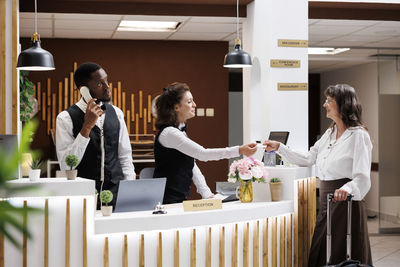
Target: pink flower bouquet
x=247, y=169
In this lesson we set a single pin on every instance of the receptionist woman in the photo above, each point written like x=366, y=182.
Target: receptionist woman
x=175, y=152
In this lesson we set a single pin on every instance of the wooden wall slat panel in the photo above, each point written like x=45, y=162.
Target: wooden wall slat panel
x=159, y=250
x=246, y=245
x=208, y=247
x=14, y=58
x=105, y=253
x=193, y=248
x=235, y=246
x=1, y=249
x=305, y=223
x=141, y=251
x=256, y=244
x=282, y=241
x=265, y=243
x=289, y=243
x=176, y=249
x=274, y=244
x=2, y=66
x=125, y=252
x=222, y=246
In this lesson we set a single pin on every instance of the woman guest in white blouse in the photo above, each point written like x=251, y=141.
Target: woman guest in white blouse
x=343, y=160
x=175, y=153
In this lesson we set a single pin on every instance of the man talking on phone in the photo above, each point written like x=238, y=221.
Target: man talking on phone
x=80, y=128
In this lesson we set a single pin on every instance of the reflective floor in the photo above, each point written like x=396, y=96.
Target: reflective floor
x=385, y=248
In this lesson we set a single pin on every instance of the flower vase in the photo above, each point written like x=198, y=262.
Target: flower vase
x=246, y=191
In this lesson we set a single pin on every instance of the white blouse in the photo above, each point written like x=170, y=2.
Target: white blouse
x=172, y=137
x=347, y=157
x=66, y=144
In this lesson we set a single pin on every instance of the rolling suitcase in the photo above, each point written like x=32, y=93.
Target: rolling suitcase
x=348, y=262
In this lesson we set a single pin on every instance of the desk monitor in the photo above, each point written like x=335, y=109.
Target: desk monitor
x=279, y=136
x=138, y=195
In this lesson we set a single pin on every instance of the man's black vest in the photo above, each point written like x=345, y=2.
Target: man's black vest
x=89, y=167
x=177, y=167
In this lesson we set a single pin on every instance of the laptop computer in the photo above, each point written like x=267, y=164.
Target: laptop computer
x=138, y=195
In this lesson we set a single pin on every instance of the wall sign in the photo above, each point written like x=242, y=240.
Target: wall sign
x=292, y=43
x=292, y=86
x=284, y=63
x=203, y=204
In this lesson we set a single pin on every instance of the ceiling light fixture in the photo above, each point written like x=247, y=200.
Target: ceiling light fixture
x=148, y=26
x=326, y=50
x=237, y=58
x=35, y=58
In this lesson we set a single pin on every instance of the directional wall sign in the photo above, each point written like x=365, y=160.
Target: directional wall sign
x=292, y=86
x=292, y=43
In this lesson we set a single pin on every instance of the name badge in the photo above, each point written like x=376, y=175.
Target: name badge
x=204, y=204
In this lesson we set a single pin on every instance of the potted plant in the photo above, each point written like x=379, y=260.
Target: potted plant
x=34, y=172
x=275, y=186
x=106, y=197
x=246, y=170
x=71, y=161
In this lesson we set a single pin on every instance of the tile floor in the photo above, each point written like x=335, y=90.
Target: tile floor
x=385, y=248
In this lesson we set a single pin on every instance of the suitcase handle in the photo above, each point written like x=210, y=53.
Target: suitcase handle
x=329, y=227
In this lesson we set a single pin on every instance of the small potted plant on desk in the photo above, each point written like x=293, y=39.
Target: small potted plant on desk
x=71, y=161
x=106, y=197
x=275, y=186
x=34, y=172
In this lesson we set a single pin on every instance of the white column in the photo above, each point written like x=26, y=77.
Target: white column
x=265, y=108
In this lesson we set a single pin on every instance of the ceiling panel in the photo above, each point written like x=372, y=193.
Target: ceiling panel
x=197, y=36
x=44, y=33
x=88, y=34
x=156, y=18
x=346, y=22
x=337, y=30
x=381, y=31
x=216, y=19
x=86, y=24
x=41, y=23
x=141, y=35
x=208, y=27
x=86, y=16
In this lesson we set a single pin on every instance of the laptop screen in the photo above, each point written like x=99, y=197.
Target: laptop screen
x=138, y=195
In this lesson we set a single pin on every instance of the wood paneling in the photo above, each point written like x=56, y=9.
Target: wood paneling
x=246, y=245
x=221, y=246
x=105, y=253
x=125, y=252
x=176, y=249
x=265, y=243
x=14, y=58
x=193, y=248
x=208, y=247
x=234, y=246
x=141, y=251
x=256, y=242
x=2, y=66
x=159, y=250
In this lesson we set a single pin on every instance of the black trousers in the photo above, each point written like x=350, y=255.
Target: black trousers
x=360, y=246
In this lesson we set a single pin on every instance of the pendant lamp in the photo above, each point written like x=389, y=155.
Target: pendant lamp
x=35, y=58
x=237, y=58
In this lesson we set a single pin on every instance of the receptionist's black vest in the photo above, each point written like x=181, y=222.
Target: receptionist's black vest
x=177, y=167
x=89, y=167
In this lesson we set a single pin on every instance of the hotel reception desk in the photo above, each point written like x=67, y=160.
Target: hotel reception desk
x=70, y=233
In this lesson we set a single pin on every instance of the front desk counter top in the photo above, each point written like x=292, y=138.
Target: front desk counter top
x=55, y=187
x=231, y=212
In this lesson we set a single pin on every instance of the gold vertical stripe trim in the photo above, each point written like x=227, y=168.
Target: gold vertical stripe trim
x=1, y=250
x=123, y=103
x=128, y=121
x=24, y=237
x=48, y=119
x=141, y=251
x=149, y=108
x=105, y=253
x=3, y=66
x=140, y=103
x=176, y=249
x=39, y=95
x=53, y=112
x=193, y=248
x=59, y=97
x=137, y=126
x=159, y=250
x=265, y=243
x=144, y=121
x=125, y=252
x=119, y=95
x=71, y=87
x=15, y=80
x=67, y=234
x=289, y=240
x=313, y=212
x=43, y=105
x=222, y=246
x=48, y=91
x=208, y=247
x=305, y=225
x=84, y=233
x=256, y=244
x=246, y=245
x=65, y=93
x=133, y=106
x=274, y=242
x=46, y=233
x=282, y=241
x=234, y=245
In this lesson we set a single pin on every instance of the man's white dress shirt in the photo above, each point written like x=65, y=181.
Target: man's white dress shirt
x=347, y=157
x=66, y=144
x=172, y=137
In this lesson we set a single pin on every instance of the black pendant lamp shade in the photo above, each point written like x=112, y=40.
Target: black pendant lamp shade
x=237, y=58
x=35, y=58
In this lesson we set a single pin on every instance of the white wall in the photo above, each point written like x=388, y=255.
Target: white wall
x=264, y=107
x=364, y=79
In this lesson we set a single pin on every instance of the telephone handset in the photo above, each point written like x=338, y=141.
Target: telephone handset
x=85, y=93
x=87, y=96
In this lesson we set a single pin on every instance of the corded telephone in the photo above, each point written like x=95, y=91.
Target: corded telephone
x=85, y=93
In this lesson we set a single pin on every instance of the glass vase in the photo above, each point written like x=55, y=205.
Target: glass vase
x=246, y=191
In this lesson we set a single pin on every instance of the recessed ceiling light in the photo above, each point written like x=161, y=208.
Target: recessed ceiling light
x=326, y=50
x=148, y=26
